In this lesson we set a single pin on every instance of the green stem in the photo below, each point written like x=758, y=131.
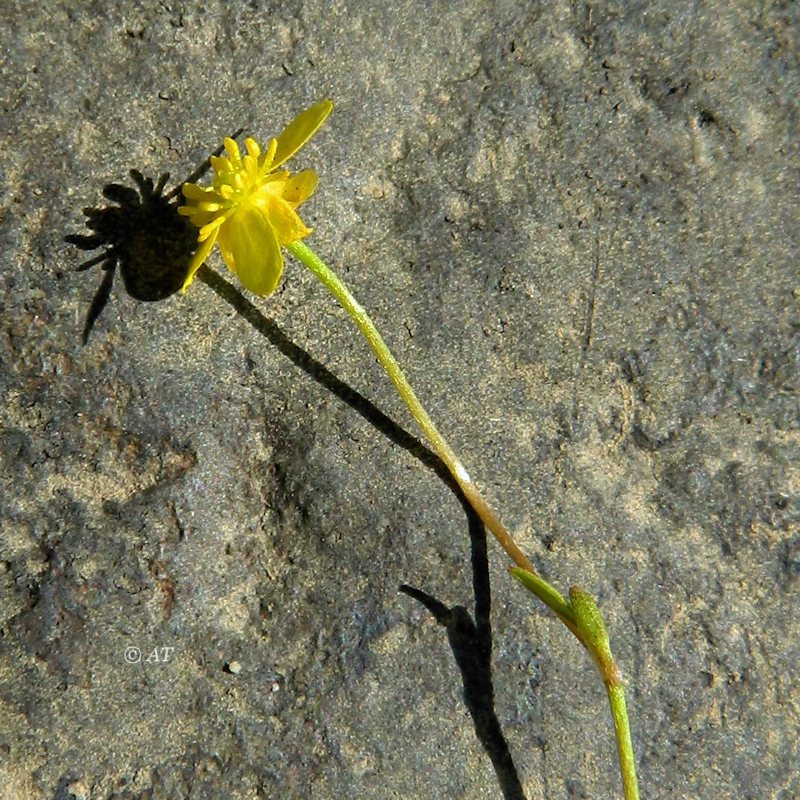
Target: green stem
x=583, y=617
x=622, y=729
x=388, y=362
x=580, y=613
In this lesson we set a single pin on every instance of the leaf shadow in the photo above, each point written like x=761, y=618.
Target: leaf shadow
x=471, y=643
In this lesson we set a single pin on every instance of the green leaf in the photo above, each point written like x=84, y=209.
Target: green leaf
x=547, y=593
x=590, y=623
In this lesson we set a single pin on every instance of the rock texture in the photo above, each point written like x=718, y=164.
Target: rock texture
x=577, y=225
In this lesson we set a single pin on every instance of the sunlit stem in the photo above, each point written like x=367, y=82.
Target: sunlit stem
x=579, y=613
x=388, y=362
x=583, y=617
x=622, y=729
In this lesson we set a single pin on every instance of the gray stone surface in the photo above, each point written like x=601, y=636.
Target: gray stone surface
x=577, y=224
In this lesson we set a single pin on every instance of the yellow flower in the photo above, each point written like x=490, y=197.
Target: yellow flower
x=250, y=207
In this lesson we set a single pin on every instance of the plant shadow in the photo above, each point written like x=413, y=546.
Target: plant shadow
x=471, y=643
x=470, y=640
x=152, y=245
x=143, y=236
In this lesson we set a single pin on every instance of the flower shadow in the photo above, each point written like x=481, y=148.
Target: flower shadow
x=151, y=245
x=143, y=236
x=470, y=641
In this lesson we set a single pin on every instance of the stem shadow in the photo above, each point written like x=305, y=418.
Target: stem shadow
x=144, y=238
x=470, y=641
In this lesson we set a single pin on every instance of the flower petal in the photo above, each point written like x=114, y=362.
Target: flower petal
x=284, y=219
x=300, y=130
x=250, y=248
x=300, y=187
x=234, y=154
x=221, y=164
x=201, y=254
x=198, y=217
x=191, y=191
